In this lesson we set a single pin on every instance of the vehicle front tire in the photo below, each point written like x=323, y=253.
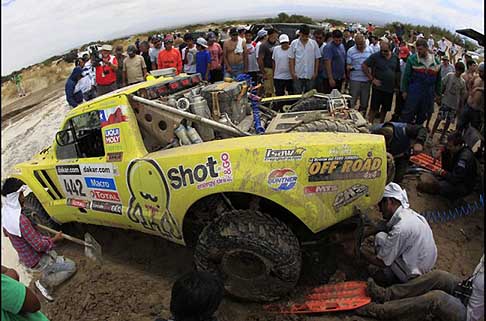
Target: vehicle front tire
x=34, y=210
x=256, y=255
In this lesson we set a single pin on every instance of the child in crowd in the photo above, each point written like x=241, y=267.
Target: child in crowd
x=452, y=99
x=203, y=58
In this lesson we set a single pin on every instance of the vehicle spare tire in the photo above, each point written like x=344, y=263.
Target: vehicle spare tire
x=34, y=210
x=256, y=255
x=311, y=103
x=329, y=125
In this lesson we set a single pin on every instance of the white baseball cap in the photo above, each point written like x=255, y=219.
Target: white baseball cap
x=283, y=38
x=202, y=42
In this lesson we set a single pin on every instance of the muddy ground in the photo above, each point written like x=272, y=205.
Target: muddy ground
x=135, y=280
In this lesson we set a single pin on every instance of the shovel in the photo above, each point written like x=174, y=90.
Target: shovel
x=92, y=249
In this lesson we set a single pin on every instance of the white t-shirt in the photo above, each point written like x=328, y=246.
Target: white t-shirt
x=281, y=59
x=252, y=59
x=375, y=48
x=154, y=53
x=257, y=48
x=190, y=65
x=408, y=248
x=431, y=43
x=475, y=306
x=442, y=45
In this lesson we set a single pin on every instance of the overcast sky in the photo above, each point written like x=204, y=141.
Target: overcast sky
x=34, y=30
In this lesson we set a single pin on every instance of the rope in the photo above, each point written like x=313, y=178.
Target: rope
x=442, y=216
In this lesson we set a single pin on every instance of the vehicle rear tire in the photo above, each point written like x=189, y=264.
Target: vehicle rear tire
x=328, y=125
x=34, y=210
x=257, y=256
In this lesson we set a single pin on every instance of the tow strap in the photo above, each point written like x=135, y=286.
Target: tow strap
x=327, y=298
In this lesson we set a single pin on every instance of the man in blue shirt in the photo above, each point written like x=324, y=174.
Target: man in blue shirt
x=203, y=58
x=334, y=56
x=359, y=84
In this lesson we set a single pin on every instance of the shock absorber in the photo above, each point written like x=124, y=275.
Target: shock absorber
x=255, y=101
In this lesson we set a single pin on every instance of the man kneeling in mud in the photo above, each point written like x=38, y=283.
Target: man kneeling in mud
x=35, y=250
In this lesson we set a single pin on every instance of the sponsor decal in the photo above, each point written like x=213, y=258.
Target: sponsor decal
x=68, y=170
x=106, y=207
x=102, y=170
x=77, y=203
x=340, y=150
x=105, y=195
x=320, y=189
x=284, y=154
x=113, y=115
x=343, y=168
x=112, y=135
x=114, y=157
x=349, y=195
x=150, y=198
x=282, y=179
x=100, y=183
x=204, y=175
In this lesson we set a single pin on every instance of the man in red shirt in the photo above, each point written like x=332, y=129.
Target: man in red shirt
x=106, y=71
x=34, y=249
x=216, y=52
x=169, y=57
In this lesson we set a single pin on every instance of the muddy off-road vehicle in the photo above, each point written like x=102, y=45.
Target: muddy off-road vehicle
x=208, y=166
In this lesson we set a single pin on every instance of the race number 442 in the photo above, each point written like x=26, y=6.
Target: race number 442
x=74, y=186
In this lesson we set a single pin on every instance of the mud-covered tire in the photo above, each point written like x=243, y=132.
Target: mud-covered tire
x=308, y=104
x=257, y=256
x=34, y=210
x=390, y=168
x=328, y=125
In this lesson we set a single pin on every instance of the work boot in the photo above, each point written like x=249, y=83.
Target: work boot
x=376, y=292
x=373, y=310
x=43, y=290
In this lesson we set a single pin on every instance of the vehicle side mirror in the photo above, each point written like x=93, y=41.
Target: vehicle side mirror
x=65, y=137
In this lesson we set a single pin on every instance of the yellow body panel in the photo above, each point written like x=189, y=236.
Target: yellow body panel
x=318, y=177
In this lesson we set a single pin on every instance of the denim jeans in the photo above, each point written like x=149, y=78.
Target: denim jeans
x=55, y=269
x=235, y=71
x=303, y=85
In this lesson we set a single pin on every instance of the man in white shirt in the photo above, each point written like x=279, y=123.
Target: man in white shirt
x=431, y=42
x=282, y=78
x=407, y=249
x=375, y=45
x=442, y=47
x=154, y=51
x=189, y=55
x=304, y=57
x=435, y=295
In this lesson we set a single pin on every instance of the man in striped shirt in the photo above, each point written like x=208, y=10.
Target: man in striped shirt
x=35, y=250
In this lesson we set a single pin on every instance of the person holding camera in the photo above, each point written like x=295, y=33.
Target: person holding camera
x=106, y=71
x=437, y=294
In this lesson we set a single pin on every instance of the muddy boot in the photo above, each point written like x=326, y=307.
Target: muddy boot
x=373, y=310
x=376, y=292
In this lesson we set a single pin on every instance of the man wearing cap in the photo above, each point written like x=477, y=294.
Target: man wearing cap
x=334, y=56
x=235, y=55
x=35, y=250
x=407, y=249
x=169, y=57
x=203, y=58
x=189, y=55
x=134, y=68
x=265, y=62
x=106, y=71
x=446, y=67
x=304, y=57
x=216, y=52
x=281, y=72
x=359, y=85
x=154, y=51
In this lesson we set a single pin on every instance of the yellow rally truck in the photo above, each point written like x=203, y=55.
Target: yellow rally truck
x=246, y=202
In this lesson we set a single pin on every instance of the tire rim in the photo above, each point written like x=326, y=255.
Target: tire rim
x=244, y=265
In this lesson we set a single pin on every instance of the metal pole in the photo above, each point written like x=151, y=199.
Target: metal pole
x=193, y=117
